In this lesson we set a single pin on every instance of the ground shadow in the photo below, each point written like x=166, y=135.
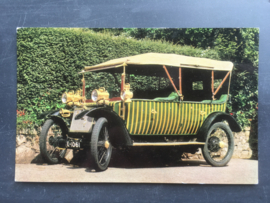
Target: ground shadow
x=144, y=157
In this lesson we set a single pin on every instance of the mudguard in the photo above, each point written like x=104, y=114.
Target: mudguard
x=56, y=116
x=80, y=115
x=48, y=114
x=218, y=117
x=117, y=127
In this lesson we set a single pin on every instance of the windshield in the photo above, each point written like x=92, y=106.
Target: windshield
x=196, y=83
x=143, y=87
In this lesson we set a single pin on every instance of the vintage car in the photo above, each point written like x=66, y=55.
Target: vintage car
x=192, y=115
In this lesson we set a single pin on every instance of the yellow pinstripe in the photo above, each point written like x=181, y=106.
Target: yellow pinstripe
x=155, y=117
x=196, y=110
x=171, y=118
x=165, y=115
x=201, y=118
x=128, y=116
x=142, y=119
x=189, y=118
x=186, y=117
x=132, y=118
x=174, y=117
x=145, y=120
x=150, y=116
x=181, y=121
x=168, y=120
x=192, y=118
x=160, y=118
x=119, y=108
x=136, y=123
x=176, y=113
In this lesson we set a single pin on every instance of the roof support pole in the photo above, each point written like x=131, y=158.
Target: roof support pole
x=180, y=83
x=224, y=79
x=213, y=95
x=123, y=81
x=123, y=78
x=180, y=80
x=229, y=83
x=171, y=80
x=83, y=86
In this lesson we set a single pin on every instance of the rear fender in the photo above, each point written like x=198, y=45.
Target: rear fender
x=217, y=117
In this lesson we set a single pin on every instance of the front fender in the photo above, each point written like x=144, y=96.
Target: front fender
x=80, y=115
x=218, y=117
x=48, y=114
x=60, y=120
x=117, y=127
x=56, y=116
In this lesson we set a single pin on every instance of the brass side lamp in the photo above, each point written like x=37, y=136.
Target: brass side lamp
x=101, y=96
x=126, y=94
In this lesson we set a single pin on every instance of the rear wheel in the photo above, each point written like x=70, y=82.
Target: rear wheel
x=101, y=148
x=219, y=145
x=52, y=141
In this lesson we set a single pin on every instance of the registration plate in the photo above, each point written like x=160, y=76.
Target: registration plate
x=73, y=143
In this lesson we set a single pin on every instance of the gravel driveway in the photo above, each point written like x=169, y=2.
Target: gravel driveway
x=142, y=169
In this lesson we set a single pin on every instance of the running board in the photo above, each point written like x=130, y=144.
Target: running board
x=166, y=143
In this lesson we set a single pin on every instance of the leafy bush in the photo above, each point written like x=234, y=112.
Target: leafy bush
x=24, y=122
x=237, y=45
x=49, y=59
x=244, y=91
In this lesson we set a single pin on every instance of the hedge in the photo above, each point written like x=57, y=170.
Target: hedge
x=49, y=60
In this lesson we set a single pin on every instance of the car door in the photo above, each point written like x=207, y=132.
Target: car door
x=138, y=116
x=176, y=118
x=166, y=118
x=148, y=117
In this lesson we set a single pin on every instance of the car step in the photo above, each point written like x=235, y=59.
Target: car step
x=166, y=143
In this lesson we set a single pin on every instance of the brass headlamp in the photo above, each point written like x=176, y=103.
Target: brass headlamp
x=71, y=98
x=126, y=94
x=101, y=96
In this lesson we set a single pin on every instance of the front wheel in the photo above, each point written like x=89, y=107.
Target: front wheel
x=52, y=141
x=219, y=145
x=101, y=148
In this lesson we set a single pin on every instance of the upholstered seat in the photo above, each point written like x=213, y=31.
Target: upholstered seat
x=223, y=98
x=173, y=97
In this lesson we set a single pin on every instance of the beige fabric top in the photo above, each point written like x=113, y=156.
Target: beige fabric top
x=165, y=59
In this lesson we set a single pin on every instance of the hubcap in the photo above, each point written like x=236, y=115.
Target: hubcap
x=213, y=144
x=51, y=140
x=222, y=144
x=107, y=144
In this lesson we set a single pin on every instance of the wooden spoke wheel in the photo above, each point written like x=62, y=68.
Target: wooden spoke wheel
x=101, y=148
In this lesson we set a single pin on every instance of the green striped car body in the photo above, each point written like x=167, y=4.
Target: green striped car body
x=148, y=117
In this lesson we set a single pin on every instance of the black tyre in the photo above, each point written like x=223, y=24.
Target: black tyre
x=219, y=145
x=101, y=148
x=52, y=141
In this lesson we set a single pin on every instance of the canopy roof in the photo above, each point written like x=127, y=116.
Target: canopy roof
x=174, y=60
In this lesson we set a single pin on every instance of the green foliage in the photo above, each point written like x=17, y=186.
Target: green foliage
x=198, y=85
x=237, y=45
x=25, y=123
x=199, y=37
x=50, y=58
x=244, y=91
